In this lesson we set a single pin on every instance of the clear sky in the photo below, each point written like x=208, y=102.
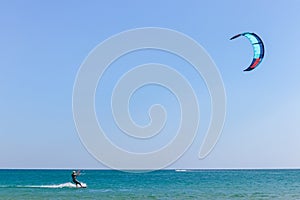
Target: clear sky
x=44, y=43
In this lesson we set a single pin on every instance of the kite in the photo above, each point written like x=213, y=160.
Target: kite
x=258, y=48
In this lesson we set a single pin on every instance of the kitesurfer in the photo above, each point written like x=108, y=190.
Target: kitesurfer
x=74, y=175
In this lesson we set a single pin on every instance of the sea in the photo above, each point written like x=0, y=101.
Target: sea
x=163, y=184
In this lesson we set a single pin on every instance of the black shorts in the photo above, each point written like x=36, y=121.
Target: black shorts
x=76, y=182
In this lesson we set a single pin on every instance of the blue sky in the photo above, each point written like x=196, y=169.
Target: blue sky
x=44, y=43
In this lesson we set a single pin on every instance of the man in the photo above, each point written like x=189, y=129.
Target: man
x=74, y=175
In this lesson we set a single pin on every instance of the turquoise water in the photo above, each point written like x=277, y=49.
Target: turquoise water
x=165, y=184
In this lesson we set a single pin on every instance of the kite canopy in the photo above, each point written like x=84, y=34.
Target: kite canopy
x=258, y=48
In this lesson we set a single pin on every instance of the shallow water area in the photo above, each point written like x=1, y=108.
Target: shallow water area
x=164, y=184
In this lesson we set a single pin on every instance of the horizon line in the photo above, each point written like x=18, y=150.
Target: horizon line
x=191, y=169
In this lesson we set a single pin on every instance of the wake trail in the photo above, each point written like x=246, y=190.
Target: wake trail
x=62, y=185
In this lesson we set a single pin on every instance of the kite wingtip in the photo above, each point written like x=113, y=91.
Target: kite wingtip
x=248, y=69
x=235, y=36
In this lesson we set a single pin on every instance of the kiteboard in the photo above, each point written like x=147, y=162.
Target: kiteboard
x=83, y=185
